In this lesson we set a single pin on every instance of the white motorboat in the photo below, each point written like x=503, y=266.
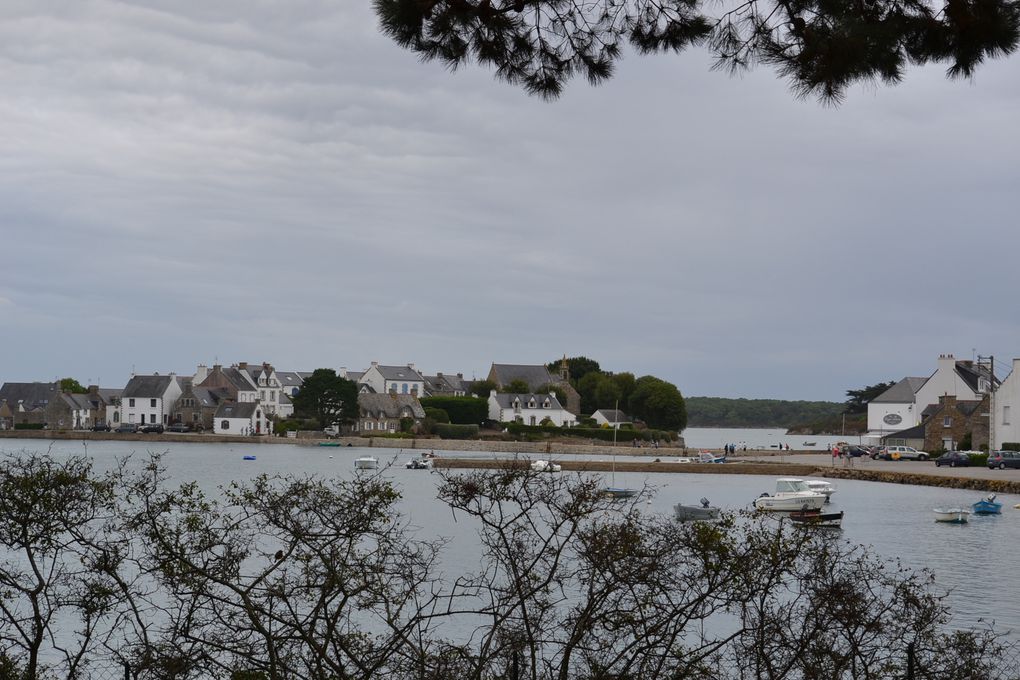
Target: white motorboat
x=366, y=463
x=546, y=466
x=952, y=515
x=792, y=495
x=821, y=486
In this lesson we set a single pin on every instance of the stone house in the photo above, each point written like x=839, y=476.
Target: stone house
x=445, y=385
x=27, y=402
x=197, y=406
x=949, y=421
x=383, y=412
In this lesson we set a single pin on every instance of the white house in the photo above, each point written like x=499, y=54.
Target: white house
x=530, y=409
x=243, y=419
x=1005, y=403
x=901, y=406
x=610, y=417
x=394, y=379
x=149, y=398
x=895, y=409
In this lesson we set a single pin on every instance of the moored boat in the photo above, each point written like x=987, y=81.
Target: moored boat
x=417, y=464
x=545, y=466
x=686, y=513
x=329, y=444
x=366, y=463
x=987, y=506
x=619, y=493
x=821, y=486
x=951, y=515
x=817, y=519
x=791, y=495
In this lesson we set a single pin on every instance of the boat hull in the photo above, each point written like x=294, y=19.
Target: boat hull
x=817, y=519
x=615, y=492
x=779, y=503
x=952, y=515
x=688, y=513
x=366, y=464
x=986, y=508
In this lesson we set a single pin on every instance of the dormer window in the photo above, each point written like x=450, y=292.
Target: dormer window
x=531, y=404
x=547, y=404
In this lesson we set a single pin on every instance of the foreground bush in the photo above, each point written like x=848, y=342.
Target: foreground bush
x=299, y=577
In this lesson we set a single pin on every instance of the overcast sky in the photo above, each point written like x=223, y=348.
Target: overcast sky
x=274, y=180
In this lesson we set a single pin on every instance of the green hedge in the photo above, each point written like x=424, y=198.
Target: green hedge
x=600, y=433
x=29, y=426
x=462, y=410
x=454, y=431
x=978, y=459
x=437, y=415
x=1010, y=446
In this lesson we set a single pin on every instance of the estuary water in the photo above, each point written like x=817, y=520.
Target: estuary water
x=895, y=520
x=759, y=439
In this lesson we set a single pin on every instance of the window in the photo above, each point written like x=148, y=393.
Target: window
x=152, y=417
x=152, y=403
x=1005, y=415
x=262, y=395
x=194, y=417
x=947, y=421
x=131, y=402
x=225, y=425
x=116, y=416
x=403, y=389
x=272, y=395
x=131, y=417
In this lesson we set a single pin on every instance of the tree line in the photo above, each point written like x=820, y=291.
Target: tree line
x=325, y=579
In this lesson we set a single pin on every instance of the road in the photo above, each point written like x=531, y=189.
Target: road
x=906, y=466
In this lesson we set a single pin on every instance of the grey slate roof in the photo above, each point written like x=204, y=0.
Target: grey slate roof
x=444, y=383
x=234, y=410
x=389, y=405
x=399, y=373
x=77, y=401
x=535, y=376
x=147, y=386
x=31, y=395
x=613, y=415
x=290, y=378
x=901, y=393
x=207, y=398
x=970, y=373
x=238, y=379
x=506, y=400
x=110, y=394
x=915, y=432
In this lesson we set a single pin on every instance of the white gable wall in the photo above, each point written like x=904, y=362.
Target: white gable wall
x=1006, y=401
x=944, y=381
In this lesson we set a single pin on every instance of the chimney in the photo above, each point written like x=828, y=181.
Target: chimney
x=411, y=366
x=375, y=363
x=201, y=372
x=94, y=389
x=460, y=375
x=267, y=367
x=439, y=374
x=242, y=366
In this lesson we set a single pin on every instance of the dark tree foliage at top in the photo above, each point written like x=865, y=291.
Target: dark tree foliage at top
x=820, y=46
x=858, y=399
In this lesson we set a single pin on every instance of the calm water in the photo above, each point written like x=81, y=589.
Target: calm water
x=896, y=520
x=716, y=437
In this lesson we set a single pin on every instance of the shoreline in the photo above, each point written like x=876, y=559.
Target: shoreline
x=809, y=463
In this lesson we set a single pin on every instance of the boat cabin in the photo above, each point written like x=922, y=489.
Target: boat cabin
x=791, y=485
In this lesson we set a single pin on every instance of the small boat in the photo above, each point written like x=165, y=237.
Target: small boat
x=817, y=519
x=248, y=458
x=791, y=495
x=417, y=464
x=329, y=444
x=686, y=513
x=616, y=492
x=821, y=486
x=366, y=463
x=809, y=443
x=951, y=515
x=709, y=457
x=546, y=466
x=987, y=506
x=688, y=459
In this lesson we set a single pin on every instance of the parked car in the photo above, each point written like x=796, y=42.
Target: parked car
x=179, y=427
x=152, y=428
x=127, y=427
x=953, y=459
x=900, y=453
x=1003, y=460
x=855, y=451
x=101, y=427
